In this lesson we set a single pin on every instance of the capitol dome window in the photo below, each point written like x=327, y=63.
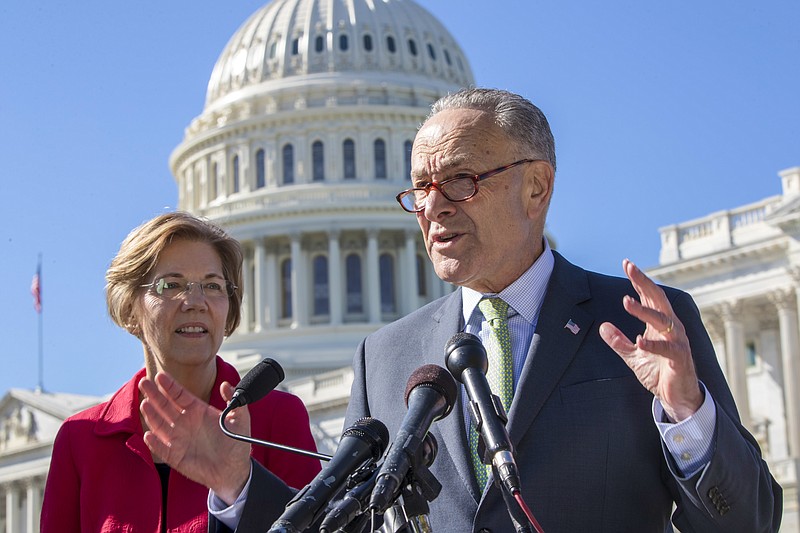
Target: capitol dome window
x=412, y=47
x=343, y=43
x=261, y=174
x=390, y=44
x=407, y=153
x=386, y=268
x=235, y=167
x=321, y=292
x=349, y=156
x=431, y=52
x=447, y=58
x=355, y=295
x=380, y=159
x=273, y=49
x=318, y=161
x=295, y=46
x=368, y=42
x=288, y=164
x=286, y=288
x=319, y=43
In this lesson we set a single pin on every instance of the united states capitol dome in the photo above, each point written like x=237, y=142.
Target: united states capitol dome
x=322, y=43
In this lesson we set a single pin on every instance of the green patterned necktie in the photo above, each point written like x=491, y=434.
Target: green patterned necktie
x=501, y=370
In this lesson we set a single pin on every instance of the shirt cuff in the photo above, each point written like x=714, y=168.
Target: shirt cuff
x=229, y=515
x=690, y=441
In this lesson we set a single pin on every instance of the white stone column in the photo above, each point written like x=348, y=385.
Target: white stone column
x=259, y=285
x=12, y=508
x=33, y=507
x=247, y=293
x=273, y=287
x=784, y=301
x=298, y=283
x=336, y=285
x=409, y=297
x=716, y=331
x=737, y=365
x=373, y=291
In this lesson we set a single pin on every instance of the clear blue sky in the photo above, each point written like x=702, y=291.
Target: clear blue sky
x=662, y=112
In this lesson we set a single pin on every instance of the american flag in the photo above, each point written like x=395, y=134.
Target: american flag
x=36, y=289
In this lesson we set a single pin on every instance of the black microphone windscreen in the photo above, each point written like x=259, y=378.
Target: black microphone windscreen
x=461, y=339
x=465, y=350
x=261, y=380
x=372, y=431
x=437, y=378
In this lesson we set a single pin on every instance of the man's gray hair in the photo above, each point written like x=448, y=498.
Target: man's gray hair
x=515, y=115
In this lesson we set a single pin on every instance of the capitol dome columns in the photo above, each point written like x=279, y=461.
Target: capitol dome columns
x=408, y=273
x=335, y=279
x=373, y=278
x=259, y=284
x=299, y=283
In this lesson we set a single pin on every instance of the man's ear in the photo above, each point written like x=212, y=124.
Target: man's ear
x=541, y=177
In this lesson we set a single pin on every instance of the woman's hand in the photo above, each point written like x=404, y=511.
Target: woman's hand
x=184, y=432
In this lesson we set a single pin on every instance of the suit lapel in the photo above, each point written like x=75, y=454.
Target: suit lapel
x=553, y=348
x=560, y=330
x=452, y=430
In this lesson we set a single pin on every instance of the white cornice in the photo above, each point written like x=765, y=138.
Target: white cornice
x=715, y=260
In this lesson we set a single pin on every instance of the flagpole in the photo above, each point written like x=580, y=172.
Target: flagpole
x=40, y=386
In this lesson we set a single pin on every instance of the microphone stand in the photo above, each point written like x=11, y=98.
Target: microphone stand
x=259, y=442
x=410, y=512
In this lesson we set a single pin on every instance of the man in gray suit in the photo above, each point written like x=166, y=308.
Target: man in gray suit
x=619, y=414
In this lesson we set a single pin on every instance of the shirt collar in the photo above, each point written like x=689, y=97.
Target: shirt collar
x=525, y=295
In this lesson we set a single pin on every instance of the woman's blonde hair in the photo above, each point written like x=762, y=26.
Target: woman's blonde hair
x=139, y=254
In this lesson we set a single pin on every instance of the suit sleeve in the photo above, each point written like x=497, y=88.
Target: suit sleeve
x=61, y=505
x=266, y=500
x=735, y=492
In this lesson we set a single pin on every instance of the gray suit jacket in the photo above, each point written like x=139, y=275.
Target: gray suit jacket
x=589, y=454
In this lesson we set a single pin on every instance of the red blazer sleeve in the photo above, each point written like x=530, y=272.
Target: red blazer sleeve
x=282, y=418
x=61, y=506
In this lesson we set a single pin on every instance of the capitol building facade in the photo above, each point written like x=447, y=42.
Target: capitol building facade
x=299, y=151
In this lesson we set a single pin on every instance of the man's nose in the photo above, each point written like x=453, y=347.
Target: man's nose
x=437, y=205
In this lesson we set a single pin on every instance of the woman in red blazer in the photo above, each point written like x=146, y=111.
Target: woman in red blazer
x=175, y=285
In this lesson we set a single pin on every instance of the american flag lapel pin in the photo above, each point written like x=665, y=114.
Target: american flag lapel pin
x=572, y=327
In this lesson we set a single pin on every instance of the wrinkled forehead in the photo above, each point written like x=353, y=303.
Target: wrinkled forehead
x=457, y=138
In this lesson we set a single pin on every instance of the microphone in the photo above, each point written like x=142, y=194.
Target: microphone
x=430, y=395
x=364, y=441
x=466, y=359
x=257, y=383
x=343, y=512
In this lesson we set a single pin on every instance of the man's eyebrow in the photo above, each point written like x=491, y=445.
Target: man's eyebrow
x=445, y=166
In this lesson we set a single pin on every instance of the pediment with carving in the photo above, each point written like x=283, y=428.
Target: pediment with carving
x=29, y=418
